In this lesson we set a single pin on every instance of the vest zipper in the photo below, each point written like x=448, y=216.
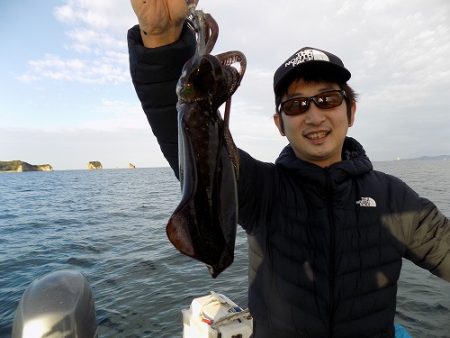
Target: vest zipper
x=332, y=248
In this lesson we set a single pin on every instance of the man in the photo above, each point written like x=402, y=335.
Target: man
x=326, y=232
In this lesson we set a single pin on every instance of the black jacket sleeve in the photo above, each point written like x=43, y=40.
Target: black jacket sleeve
x=421, y=227
x=429, y=240
x=155, y=73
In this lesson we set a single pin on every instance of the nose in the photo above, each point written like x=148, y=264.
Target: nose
x=314, y=115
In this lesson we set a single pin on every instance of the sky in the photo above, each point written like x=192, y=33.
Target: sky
x=66, y=96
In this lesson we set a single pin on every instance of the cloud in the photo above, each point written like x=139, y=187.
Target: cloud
x=86, y=40
x=398, y=53
x=108, y=68
x=115, y=115
x=96, y=31
x=100, y=15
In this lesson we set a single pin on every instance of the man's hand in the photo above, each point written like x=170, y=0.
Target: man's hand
x=160, y=21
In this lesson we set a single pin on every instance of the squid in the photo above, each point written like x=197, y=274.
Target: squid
x=203, y=225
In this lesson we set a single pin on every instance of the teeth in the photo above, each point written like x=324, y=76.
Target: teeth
x=316, y=136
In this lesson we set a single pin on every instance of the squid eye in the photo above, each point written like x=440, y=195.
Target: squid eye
x=187, y=92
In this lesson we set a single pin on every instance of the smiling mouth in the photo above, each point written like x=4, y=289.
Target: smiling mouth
x=317, y=135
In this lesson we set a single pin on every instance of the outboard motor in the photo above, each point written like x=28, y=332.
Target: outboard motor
x=58, y=305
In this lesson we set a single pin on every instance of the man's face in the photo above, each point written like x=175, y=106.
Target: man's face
x=317, y=135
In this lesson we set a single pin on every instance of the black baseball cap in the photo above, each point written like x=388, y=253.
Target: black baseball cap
x=313, y=61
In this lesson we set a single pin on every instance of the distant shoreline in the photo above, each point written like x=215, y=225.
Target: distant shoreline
x=13, y=166
x=16, y=166
x=428, y=158
x=423, y=158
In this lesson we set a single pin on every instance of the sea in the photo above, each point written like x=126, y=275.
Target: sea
x=110, y=225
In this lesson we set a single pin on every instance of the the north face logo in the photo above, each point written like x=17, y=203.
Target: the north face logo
x=305, y=56
x=367, y=202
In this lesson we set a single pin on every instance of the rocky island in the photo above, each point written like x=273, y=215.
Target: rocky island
x=20, y=166
x=92, y=165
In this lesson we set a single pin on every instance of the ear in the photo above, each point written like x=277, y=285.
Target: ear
x=279, y=123
x=352, y=115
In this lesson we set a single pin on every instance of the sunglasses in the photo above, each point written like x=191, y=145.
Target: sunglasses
x=299, y=105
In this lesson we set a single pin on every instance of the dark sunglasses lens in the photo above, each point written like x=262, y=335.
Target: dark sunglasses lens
x=328, y=100
x=295, y=106
x=299, y=105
